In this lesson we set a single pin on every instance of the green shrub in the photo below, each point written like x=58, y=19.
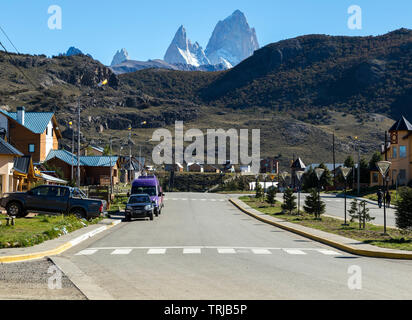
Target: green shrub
x=403, y=213
x=314, y=205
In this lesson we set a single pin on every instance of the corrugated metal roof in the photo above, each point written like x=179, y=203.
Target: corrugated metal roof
x=34, y=121
x=7, y=148
x=51, y=178
x=87, y=161
x=63, y=155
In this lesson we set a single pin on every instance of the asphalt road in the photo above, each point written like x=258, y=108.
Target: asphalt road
x=336, y=207
x=202, y=247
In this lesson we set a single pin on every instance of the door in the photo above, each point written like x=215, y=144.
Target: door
x=36, y=199
x=57, y=198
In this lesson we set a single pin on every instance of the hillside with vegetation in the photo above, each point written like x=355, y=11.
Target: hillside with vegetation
x=297, y=91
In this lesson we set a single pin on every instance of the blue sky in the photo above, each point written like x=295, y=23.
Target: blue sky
x=146, y=28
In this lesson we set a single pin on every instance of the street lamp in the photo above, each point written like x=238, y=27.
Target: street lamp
x=284, y=175
x=319, y=173
x=264, y=184
x=299, y=175
x=383, y=167
x=345, y=173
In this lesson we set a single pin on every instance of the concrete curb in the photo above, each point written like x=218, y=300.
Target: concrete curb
x=383, y=253
x=58, y=250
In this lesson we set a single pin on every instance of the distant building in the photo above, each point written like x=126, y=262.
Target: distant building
x=194, y=167
x=94, y=151
x=269, y=165
x=177, y=167
x=399, y=153
x=210, y=168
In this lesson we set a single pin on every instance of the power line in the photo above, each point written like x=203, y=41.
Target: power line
x=4, y=32
x=21, y=71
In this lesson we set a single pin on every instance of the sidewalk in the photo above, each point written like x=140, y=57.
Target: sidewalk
x=333, y=240
x=56, y=246
x=359, y=199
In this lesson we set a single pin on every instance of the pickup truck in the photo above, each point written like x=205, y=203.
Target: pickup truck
x=52, y=199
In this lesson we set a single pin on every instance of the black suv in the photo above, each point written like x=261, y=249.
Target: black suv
x=52, y=199
x=139, y=206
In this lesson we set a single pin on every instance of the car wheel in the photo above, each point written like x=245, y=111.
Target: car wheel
x=128, y=218
x=151, y=216
x=79, y=213
x=156, y=212
x=14, y=209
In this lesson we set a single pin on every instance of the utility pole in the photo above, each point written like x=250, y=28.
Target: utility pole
x=78, y=144
x=359, y=172
x=111, y=174
x=130, y=152
x=334, y=161
x=72, y=171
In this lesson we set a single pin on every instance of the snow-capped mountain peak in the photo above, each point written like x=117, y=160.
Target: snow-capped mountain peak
x=232, y=40
x=119, y=57
x=181, y=50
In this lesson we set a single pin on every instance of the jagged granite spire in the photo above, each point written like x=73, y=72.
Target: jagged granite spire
x=232, y=40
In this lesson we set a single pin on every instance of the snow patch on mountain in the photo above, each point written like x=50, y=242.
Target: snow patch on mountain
x=119, y=57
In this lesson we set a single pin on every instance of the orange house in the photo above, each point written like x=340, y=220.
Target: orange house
x=399, y=153
x=32, y=133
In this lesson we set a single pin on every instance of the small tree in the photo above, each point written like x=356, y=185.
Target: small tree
x=354, y=210
x=359, y=211
x=259, y=191
x=289, y=201
x=313, y=205
x=271, y=196
x=403, y=213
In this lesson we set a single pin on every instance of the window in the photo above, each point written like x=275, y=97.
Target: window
x=375, y=178
x=41, y=191
x=402, y=151
x=31, y=148
x=394, y=152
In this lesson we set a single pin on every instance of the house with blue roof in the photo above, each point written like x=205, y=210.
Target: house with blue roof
x=32, y=133
x=94, y=170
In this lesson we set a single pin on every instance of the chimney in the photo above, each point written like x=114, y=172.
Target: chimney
x=20, y=115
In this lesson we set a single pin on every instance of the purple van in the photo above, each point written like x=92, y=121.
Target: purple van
x=150, y=185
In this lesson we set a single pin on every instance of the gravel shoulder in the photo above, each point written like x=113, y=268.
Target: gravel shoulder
x=29, y=281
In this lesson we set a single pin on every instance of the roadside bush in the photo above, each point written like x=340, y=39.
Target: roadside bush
x=271, y=196
x=289, y=201
x=259, y=191
x=314, y=205
x=403, y=213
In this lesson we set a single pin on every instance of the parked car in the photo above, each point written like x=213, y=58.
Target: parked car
x=150, y=185
x=139, y=206
x=52, y=199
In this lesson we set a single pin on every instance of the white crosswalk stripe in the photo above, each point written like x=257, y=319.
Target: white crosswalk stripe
x=88, y=252
x=156, y=251
x=121, y=251
x=329, y=252
x=294, y=251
